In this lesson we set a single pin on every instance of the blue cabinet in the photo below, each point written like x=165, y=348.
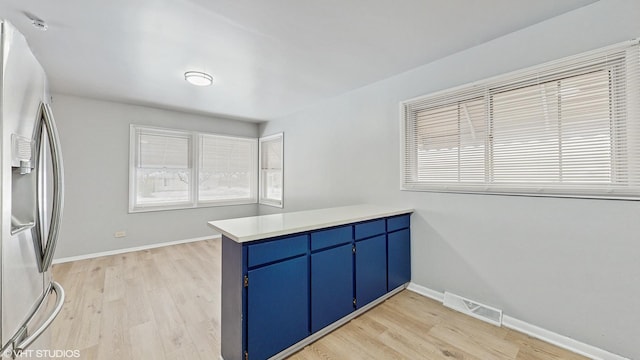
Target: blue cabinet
x=278, y=291
x=371, y=269
x=331, y=285
x=398, y=258
x=331, y=275
x=277, y=307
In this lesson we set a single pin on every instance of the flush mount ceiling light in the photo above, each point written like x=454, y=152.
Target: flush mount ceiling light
x=198, y=78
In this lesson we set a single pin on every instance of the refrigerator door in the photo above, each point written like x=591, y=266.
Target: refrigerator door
x=31, y=195
x=23, y=82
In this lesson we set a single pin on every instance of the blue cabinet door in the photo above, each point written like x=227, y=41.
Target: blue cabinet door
x=371, y=269
x=277, y=307
x=331, y=285
x=399, y=257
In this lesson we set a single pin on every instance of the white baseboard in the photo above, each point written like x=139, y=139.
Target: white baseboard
x=534, y=331
x=559, y=340
x=424, y=291
x=131, y=249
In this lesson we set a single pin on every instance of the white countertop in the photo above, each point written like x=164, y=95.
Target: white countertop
x=265, y=226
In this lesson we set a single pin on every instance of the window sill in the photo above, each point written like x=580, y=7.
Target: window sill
x=143, y=209
x=273, y=203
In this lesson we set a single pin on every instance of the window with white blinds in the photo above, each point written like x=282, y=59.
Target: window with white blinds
x=271, y=169
x=227, y=169
x=566, y=128
x=162, y=168
x=173, y=169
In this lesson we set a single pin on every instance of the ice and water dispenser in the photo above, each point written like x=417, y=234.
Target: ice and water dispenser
x=23, y=184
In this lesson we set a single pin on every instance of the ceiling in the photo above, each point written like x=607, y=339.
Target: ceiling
x=268, y=58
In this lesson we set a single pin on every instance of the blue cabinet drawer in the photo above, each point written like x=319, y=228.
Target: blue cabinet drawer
x=398, y=222
x=327, y=238
x=370, y=228
x=275, y=250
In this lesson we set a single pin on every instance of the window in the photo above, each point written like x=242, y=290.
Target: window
x=271, y=169
x=227, y=169
x=164, y=172
x=567, y=128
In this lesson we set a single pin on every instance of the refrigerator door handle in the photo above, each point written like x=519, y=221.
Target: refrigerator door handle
x=58, y=186
x=22, y=340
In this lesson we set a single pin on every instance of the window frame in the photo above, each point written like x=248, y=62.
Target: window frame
x=263, y=200
x=410, y=139
x=194, y=158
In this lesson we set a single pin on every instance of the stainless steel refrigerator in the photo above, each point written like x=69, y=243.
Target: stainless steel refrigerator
x=31, y=191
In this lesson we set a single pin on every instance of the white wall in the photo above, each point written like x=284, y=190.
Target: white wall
x=571, y=266
x=95, y=147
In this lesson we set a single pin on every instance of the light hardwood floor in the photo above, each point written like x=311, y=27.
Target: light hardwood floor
x=164, y=303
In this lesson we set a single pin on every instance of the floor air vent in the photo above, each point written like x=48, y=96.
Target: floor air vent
x=472, y=308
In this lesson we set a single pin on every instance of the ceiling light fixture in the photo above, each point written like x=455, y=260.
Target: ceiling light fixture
x=198, y=78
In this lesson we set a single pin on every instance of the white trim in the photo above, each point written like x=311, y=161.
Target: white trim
x=131, y=249
x=187, y=206
x=559, y=340
x=132, y=159
x=424, y=291
x=551, y=337
x=261, y=199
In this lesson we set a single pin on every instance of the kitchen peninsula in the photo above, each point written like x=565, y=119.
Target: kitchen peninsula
x=290, y=278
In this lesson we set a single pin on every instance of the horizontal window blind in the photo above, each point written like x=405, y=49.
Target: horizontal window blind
x=227, y=168
x=271, y=154
x=163, y=172
x=177, y=169
x=163, y=150
x=567, y=128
